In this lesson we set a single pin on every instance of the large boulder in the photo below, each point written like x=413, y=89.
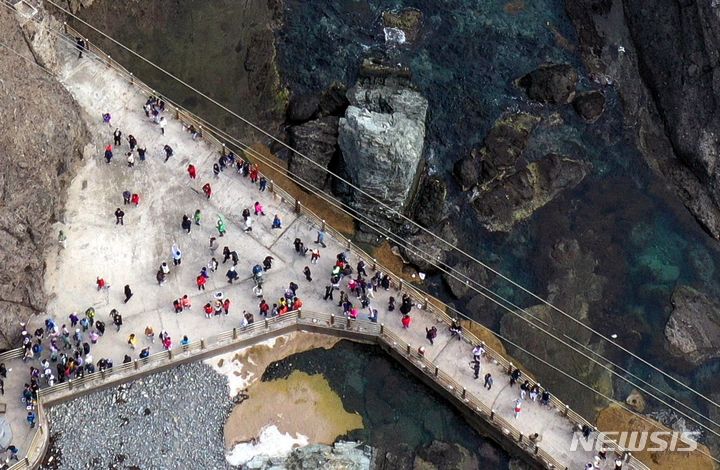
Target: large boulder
x=303, y=107
x=503, y=145
x=460, y=288
x=333, y=100
x=589, y=105
x=430, y=202
x=550, y=83
x=423, y=250
x=508, y=200
x=382, y=137
x=693, y=329
x=318, y=141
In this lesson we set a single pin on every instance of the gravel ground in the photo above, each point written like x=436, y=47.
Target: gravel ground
x=169, y=420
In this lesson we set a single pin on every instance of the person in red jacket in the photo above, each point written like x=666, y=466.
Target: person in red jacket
x=406, y=321
x=192, y=171
x=200, y=280
x=264, y=307
x=135, y=199
x=100, y=283
x=208, y=310
x=207, y=189
x=226, y=306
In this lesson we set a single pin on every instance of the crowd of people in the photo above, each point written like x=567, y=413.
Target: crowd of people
x=63, y=350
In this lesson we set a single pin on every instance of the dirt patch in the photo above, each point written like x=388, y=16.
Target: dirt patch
x=616, y=418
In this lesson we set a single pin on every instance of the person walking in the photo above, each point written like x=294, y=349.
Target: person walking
x=135, y=199
x=328, y=292
x=431, y=334
x=130, y=160
x=126, y=197
x=308, y=275
x=231, y=274
x=132, y=341
x=476, y=369
x=168, y=152
x=128, y=293
x=207, y=189
x=186, y=224
x=196, y=217
x=192, y=171
x=221, y=227
x=176, y=255
x=31, y=418
x=216, y=170
x=119, y=214
x=248, y=224
x=201, y=281
x=321, y=238
x=163, y=123
x=80, y=45
x=116, y=318
x=117, y=136
x=108, y=153
x=314, y=256
x=518, y=407
x=259, y=209
x=276, y=223
x=141, y=153
x=488, y=381
x=150, y=333
x=132, y=142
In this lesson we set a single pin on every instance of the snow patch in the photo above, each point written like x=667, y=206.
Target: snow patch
x=271, y=443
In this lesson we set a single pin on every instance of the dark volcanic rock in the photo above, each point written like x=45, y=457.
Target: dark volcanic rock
x=514, y=198
x=693, y=329
x=334, y=101
x=589, y=105
x=551, y=83
x=317, y=140
x=458, y=287
x=503, y=145
x=445, y=456
x=302, y=108
x=430, y=202
x=426, y=249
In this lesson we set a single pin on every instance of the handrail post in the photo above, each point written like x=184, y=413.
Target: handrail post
x=565, y=411
x=323, y=226
x=109, y=60
x=400, y=286
x=492, y=414
x=349, y=245
x=177, y=113
x=297, y=206
x=169, y=354
x=202, y=343
x=382, y=328
x=374, y=266
x=132, y=78
x=136, y=364
x=70, y=383
x=437, y=371
x=537, y=448
x=332, y=319
x=65, y=27
x=425, y=303
x=299, y=313
x=234, y=333
x=408, y=349
x=271, y=186
x=224, y=150
x=347, y=325
x=520, y=437
x=267, y=323
x=464, y=392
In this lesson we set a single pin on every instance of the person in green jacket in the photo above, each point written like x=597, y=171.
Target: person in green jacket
x=221, y=226
x=196, y=217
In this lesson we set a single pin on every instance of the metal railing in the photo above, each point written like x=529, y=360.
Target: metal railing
x=419, y=297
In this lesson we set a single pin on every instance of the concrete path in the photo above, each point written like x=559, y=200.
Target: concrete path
x=131, y=254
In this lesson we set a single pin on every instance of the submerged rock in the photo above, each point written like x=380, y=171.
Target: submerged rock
x=589, y=105
x=317, y=140
x=503, y=145
x=693, y=329
x=511, y=199
x=458, y=287
x=443, y=455
x=382, y=137
x=550, y=83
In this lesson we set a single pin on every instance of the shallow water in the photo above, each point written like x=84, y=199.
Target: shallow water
x=400, y=414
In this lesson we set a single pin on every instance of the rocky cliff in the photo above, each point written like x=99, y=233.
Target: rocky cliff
x=41, y=139
x=662, y=56
x=693, y=329
x=381, y=138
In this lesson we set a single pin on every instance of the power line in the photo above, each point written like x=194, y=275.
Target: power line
x=429, y=232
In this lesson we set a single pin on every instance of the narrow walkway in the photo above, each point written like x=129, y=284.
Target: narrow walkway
x=131, y=254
